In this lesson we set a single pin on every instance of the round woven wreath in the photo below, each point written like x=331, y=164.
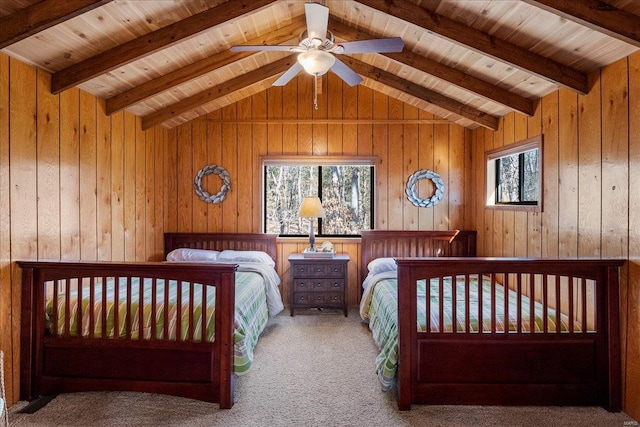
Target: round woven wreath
x=226, y=184
x=412, y=193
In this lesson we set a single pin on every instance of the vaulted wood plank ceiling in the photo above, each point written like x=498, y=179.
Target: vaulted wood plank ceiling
x=468, y=61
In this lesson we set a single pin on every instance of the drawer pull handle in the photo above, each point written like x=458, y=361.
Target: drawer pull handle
x=335, y=270
x=318, y=270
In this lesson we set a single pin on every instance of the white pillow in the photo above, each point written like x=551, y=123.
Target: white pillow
x=229, y=255
x=380, y=265
x=195, y=255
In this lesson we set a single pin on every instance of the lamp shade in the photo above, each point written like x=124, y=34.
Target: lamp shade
x=311, y=207
x=316, y=62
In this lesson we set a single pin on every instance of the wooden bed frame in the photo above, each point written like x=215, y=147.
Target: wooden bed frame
x=548, y=367
x=192, y=368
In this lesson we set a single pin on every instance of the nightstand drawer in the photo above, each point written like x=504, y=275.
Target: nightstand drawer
x=301, y=285
x=318, y=285
x=327, y=285
x=302, y=299
x=327, y=298
x=319, y=270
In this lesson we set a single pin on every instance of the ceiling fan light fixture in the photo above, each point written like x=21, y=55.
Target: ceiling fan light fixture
x=316, y=62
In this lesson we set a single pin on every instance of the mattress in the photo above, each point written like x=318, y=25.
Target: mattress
x=380, y=307
x=255, y=302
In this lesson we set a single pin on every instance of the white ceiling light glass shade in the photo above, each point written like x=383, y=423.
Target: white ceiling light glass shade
x=316, y=62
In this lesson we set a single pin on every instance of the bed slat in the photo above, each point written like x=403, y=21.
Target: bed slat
x=129, y=315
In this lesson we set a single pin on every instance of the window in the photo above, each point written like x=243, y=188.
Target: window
x=345, y=187
x=514, y=175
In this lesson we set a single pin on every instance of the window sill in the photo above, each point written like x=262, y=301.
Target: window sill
x=526, y=208
x=319, y=239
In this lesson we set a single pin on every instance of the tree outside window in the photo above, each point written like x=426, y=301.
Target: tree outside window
x=345, y=190
x=514, y=176
x=517, y=178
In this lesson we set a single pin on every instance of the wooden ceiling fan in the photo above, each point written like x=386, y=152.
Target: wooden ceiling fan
x=317, y=50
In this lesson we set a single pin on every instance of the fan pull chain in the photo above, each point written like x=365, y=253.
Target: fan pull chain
x=315, y=92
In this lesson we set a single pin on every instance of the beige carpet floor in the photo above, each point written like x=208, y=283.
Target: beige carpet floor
x=314, y=369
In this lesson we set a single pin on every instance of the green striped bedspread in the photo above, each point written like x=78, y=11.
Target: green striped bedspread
x=251, y=312
x=380, y=306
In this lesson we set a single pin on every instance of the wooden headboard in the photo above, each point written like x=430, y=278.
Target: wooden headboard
x=406, y=243
x=220, y=241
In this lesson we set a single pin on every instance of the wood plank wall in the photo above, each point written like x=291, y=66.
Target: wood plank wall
x=591, y=191
x=74, y=184
x=228, y=138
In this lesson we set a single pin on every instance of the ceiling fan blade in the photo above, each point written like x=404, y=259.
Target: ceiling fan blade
x=394, y=44
x=245, y=48
x=345, y=73
x=317, y=19
x=288, y=75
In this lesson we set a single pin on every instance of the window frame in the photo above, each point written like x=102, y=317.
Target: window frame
x=491, y=174
x=308, y=160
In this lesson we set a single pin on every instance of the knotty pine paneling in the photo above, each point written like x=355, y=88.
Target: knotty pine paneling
x=424, y=149
x=228, y=138
x=48, y=178
x=591, y=191
x=103, y=183
x=631, y=319
x=568, y=174
x=74, y=184
x=117, y=186
x=70, y=174
x=6, y=289
x=551, y=176
x=22, y=196
x=615, y=175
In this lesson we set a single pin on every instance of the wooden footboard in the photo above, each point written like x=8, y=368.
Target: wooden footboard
x=117, y=350
x=575, y=363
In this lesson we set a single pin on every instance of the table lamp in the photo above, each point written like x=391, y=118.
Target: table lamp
x=311, y=208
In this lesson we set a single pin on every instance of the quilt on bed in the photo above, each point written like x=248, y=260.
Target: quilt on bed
x=379, y=306
x=257, y=297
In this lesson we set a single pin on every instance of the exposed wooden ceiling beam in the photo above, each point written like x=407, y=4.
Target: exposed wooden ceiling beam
x=152, y=42
x=321, y=121
x=188, y=104
x=466, y=81
x=420, y=92
x=271, y=70
x=443, y=72
x=596, y=15
x=198, y=68
x=40, y=16
x=484, y=43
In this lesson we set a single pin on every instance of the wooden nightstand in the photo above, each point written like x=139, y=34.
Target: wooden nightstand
x=319, y=282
